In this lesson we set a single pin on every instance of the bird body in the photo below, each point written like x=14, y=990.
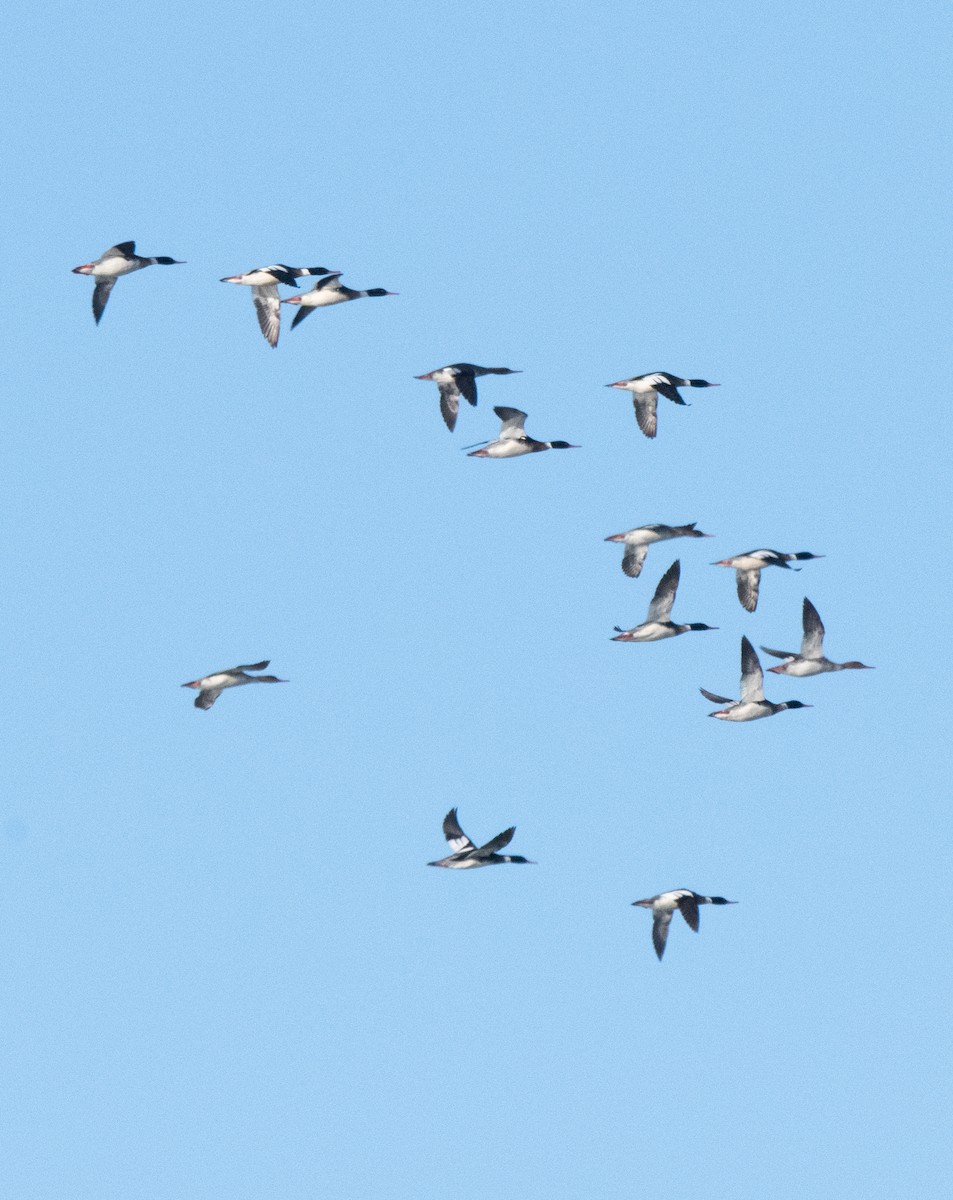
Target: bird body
x=328, y=291
x=210, y=687
x=514, y=440
x=658, y=624
x=637, y=542
x=456, y=380
x=748, y=568
x=810, y=660
x=118, y=260
x=664, y=906
x=646, y=390
x=752, y=704
x=263, y=282
x=466, y=856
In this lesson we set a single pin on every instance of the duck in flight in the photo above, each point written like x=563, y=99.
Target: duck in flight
x=663, y=908
x=120, y=259
x=514, y=440
x=752, y=704
x=811, y=660
x=646, y=390
x=658, y=624
x=263, y=282
x=210, y=687
x=328, y=291
x=456, y=380
x=637, y=542
x=466, y=856
x=748, y=569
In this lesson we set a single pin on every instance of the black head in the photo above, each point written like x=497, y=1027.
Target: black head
x=722, y=900
x=802, y=555
x=562, y=446
x=797, y=704
x=702, y=383
x=697, y=627
x=170, y=262
x=379, y=292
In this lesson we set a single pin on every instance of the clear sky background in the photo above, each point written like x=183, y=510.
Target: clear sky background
x=228, y=972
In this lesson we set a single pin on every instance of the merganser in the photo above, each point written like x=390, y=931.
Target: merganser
x=513, y=440
x=646, y=390
x=328, y=291
x=120, y=259
x=637, y=542
x=752, y=704
x=211, y=686
x=263, y=282
x=811, y=660
x=663, y=908
x=657, y=625
x=456, y=380
x=748, y=567
x=465, y=855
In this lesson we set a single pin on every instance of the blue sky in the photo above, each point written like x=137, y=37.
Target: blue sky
x=229, y=972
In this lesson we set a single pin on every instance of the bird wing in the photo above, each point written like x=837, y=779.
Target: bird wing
x=300, y=315
x=716, y=699
x=329, y=281
x=688, y=907
x=467, y=387
x=752, y=677
x=455, y=836
x=449, y=403
x=660, y=924
x=646, y=412
x=660, y=608
x=101, y=294
x=513, y=427
x=249, y=667
x=267, y=306
x=206, y=699
x=669, y=392
x=813, y=642
x=126, y=249
x=748, y=582
x=632, y=560
x=779, y=653
x=497, y=843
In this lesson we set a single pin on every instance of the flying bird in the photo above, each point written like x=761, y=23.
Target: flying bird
x=752, y=704
x=328, y=291
x=658, y=624
x=120, y=259
x=466, y=856
x=514, y=440
x=637, y=542
x=663, y=908
x=210, y=687
x=811, y=660
x=456, y=380
x=748, y=569
x=646, y=390
x=263, y=282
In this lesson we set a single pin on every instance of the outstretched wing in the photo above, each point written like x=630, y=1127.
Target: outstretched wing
x=251, y=667
x=688, y=907
x=660, y=608
x=513, y=427
x=748, y=582
x=716, y=699
x=497, y=843
x=632, y=560
x=300, y=315
x=752, y=677
x=660, y=924
x=124, y=249
x=267, y=307
x=455, y=836
x=467, y=386
x=813, y=642
x=646, y=412
x=207, y=698
x=449, y=403
x=101, y=294
x=669, y=392
x=779, y=653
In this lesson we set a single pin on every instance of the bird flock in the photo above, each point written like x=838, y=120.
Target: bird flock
x=456, y=381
